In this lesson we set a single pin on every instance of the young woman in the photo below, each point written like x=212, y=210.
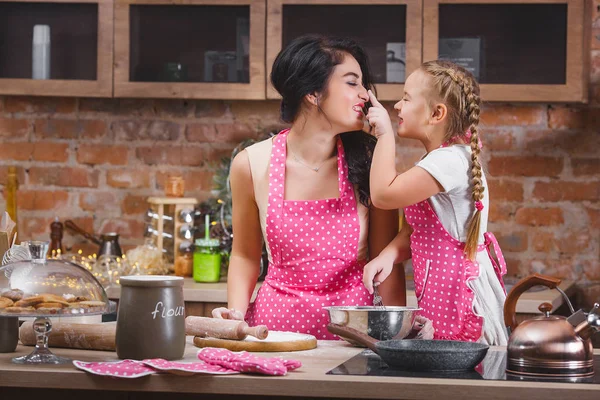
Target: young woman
x=306, y=193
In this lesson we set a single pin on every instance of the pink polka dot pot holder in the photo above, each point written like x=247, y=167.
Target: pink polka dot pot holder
x=187, y=368
x=212, y=361
x=117, y=369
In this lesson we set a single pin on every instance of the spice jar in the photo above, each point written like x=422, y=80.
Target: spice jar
x=175, y=186
x=184, y=264
x=207, y=260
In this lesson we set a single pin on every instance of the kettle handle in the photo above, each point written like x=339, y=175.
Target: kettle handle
x=510, y=305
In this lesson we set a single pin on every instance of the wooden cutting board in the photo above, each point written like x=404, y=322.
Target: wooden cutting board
x=276, y=341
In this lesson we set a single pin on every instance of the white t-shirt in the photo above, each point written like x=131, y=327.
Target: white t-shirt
x=451, y=167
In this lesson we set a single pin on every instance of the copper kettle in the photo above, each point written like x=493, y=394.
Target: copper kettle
x=549, y=345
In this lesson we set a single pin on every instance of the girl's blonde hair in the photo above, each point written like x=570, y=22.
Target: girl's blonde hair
x=459, y=91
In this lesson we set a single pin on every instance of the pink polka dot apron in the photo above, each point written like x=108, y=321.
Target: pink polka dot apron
x=442, y=274
x=314, y=250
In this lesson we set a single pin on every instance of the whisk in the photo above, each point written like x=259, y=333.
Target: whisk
x=16, y=253
x=377, y=299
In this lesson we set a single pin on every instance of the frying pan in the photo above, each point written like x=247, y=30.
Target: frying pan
x=419, y=355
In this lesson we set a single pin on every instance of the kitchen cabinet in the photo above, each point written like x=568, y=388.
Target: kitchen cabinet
x=522, y=51
x=81, y=47
x=203, y=49
x=389, y=30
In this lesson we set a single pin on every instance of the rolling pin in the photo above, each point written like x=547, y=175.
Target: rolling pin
x=99, y=336
x=223, y=328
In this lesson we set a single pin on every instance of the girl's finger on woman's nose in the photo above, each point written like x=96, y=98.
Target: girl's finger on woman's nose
x=374, y=100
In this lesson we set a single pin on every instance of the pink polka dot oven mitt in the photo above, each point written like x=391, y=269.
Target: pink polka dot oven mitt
x=213, y=361
x=247, y=362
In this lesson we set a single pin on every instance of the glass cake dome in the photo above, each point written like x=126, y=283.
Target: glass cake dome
x=42, y=288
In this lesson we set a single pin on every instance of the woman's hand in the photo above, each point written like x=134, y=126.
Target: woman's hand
x=227, y=313
x=377, y=270
x=378, y=117
x=422, y=329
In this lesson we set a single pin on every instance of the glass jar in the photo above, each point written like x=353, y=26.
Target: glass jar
x=207, y=260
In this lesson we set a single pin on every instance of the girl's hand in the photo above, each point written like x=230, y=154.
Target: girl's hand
x=422, y=329
x=378, y=269
x=378, y=117
x=227, y=313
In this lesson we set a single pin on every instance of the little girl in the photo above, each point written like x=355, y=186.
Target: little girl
x=458, y=266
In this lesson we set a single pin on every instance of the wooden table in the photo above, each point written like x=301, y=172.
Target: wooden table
x=310, y=381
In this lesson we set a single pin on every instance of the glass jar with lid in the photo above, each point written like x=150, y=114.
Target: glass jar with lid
x=44, y=288
x=207, y=260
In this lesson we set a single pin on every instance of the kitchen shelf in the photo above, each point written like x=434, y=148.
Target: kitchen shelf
x=81, y=52
x=190, y=49
x=528, y=50
x=397, y=21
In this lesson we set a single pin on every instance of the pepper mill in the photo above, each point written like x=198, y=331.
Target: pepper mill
x=56, y=235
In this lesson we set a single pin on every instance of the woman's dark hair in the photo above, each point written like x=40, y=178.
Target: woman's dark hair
x=304, y=67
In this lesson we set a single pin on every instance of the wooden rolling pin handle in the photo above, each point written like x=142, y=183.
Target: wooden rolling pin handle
x=222, y=328
x=260, y=332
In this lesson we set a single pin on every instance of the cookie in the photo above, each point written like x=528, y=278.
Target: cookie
x=53, y=298
x=49, y=305
x=48, y=310
x=5, y=302
x=29, y=301
x=13, y=294
x=92, y=303
x=77, y=299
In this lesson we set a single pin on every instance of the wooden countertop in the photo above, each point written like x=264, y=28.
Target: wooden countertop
x=308, y=381
x=217, y=293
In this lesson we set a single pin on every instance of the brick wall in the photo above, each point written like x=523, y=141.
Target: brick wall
x=96, y=161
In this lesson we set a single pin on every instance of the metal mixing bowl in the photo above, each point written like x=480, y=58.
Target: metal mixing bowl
x=379, y=323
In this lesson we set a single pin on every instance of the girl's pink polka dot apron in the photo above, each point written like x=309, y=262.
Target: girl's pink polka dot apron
x=442, y=274
x=314, y=249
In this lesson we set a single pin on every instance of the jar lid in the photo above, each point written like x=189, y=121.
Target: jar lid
x=208, y=242
x=151, y=280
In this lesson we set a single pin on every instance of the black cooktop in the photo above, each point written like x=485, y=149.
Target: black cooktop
x=493, y=367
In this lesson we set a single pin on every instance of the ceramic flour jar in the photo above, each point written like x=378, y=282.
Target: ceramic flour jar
x=151, y=318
